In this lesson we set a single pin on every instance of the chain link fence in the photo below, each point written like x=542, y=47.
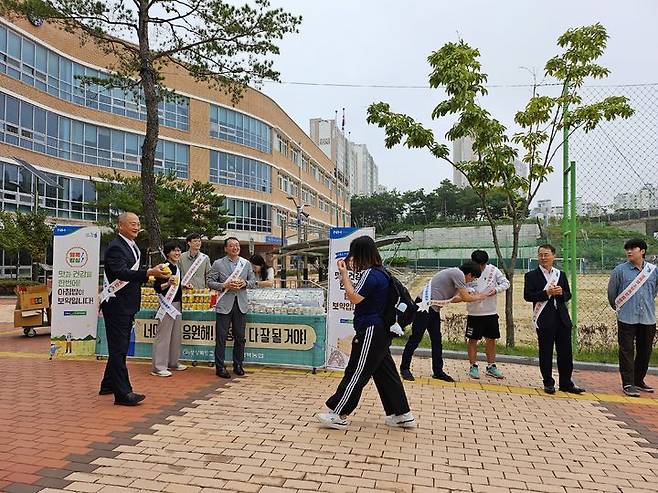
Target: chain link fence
x=617, y=198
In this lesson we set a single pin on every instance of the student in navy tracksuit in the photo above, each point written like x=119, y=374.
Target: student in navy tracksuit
x=370, y=355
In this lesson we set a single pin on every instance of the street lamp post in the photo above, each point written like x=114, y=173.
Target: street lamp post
x=301, y=235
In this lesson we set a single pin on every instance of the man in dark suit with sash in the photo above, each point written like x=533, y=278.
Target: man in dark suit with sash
x=120, y=301
x=548, y=289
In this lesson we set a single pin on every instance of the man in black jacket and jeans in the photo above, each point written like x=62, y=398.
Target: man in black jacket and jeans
x=548, y=289
x=120, y=302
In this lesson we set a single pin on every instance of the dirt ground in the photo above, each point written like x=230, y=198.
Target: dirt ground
x=593, y=308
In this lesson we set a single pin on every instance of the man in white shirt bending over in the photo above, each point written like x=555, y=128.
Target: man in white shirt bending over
x=482, y=318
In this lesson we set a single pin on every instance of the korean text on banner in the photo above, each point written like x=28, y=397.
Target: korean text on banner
x=76, y=258
x=340, y=311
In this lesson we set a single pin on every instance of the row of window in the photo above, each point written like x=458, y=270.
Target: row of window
x=288, y=184
x=233, y=126
x=46, y=70
x=249, y=216
x=303, y=161
x=30, y=127
x=70, y=200
x=240, y=171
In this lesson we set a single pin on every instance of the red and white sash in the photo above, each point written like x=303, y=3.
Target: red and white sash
x=109, y=290
x=635, y=285
x=165, y=301
x=193, y=268
x=242, y=263
x=539, y=307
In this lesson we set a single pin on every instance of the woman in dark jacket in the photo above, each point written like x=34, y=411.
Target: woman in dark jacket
x=370, y=355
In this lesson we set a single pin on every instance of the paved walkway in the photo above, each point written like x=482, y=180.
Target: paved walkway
x=197, y=433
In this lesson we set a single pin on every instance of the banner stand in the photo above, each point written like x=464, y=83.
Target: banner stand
x=340, y=311
x=74, y=306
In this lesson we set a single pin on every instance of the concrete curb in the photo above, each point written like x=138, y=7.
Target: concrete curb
x=519, y=360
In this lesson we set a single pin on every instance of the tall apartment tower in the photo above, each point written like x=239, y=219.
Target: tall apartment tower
x=355, y=166
x=462, y=150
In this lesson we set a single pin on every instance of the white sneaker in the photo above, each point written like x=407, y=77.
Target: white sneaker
x=405, y=420
x=161, y=373
x=332, y=420
x=179, y=367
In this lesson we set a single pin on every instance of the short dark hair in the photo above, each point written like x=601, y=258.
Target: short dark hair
x=470, y=267
x=192, y=236
x=480, y=257
x=636, y=243
x=169, y=246
x=363, y=253
x=229, y=239
x=547, y=246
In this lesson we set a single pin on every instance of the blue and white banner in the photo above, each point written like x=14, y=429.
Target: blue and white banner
x=340, y=310
x=74, y=307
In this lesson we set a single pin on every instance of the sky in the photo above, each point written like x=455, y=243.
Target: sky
x=386, y=42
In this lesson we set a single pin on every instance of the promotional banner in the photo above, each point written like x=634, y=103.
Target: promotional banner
x=340, y=310
x=76, y=258
x=272, y=339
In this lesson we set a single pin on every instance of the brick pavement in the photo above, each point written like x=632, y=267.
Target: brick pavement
x=259, y=434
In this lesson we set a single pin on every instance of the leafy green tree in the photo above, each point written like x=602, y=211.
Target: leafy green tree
x=456, y=69
x=215, y=42
x=417, y=208
x=446, y=198
x=37, y=234
x=382, y=210
x=184, y=207
x=12, y=237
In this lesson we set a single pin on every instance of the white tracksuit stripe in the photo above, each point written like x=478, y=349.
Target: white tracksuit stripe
x=359, y=369
x=362, y=281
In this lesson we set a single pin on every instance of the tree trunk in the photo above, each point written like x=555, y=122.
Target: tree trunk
x=149, y=85
x=509, y=294
x=509, y=309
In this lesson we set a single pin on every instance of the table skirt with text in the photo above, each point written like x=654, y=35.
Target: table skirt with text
x=272, y=339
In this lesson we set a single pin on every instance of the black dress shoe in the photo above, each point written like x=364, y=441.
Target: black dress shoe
x=105, y=391
x=131, y=399
x=549, y=389
x=443, y=376
x=238, y=370
x=572, y=390
x=406, y=374
x=222, y=372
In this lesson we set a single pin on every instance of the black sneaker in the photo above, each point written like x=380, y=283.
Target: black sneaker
x=631, y=391
x=406, y=374
x=643, y=387
x=443, y=376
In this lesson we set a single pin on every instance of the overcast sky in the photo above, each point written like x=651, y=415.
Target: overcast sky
x=386, y=42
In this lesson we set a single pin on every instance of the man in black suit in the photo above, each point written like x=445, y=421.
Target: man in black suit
x=120, y=302
x=548, y=289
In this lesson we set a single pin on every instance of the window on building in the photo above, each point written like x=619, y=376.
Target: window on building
x=248, y=215
x=46, y=70
x=282, y=145
x=25, y=125
x=240, y=171
x=233, y=126
x=71, y=201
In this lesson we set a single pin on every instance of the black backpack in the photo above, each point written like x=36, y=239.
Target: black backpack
x=397, y=294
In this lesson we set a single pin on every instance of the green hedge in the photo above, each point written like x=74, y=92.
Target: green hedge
x=7, y=285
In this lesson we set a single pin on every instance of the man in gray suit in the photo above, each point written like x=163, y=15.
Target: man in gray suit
x=231, y=276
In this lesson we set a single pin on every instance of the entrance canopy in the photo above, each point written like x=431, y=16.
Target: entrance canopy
x=320, y=248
